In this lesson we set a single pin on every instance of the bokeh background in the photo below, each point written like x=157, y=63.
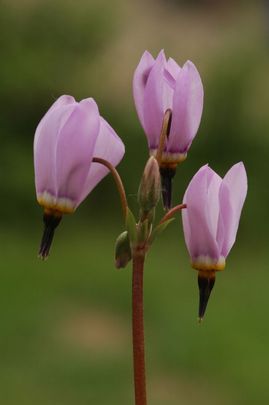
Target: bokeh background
x=65, y=324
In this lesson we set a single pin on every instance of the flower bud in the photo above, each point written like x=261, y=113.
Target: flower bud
x=150, y=186
x=123, y=252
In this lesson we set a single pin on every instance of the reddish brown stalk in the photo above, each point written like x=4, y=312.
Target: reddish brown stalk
x=164, y=134
x=118, y=182
x=138, y=330
x=171, y=212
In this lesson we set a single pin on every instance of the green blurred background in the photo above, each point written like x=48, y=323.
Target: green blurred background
x=65, y=324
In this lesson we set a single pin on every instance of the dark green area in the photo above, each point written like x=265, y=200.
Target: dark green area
x=50, y=311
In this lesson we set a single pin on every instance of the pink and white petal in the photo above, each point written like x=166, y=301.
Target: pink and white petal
x=63, y=100
x=199, y=236
x=154, y=107
x=60, y=102
x=233, y=193
x=187, y=109
x=173, y=68
x=140, y=79
x=45, y=141
x=74, y=149
x=168, y=88
x=108, y=146
x=169, y=79
x=171, y=73
x=225, y=219
x=213, y=207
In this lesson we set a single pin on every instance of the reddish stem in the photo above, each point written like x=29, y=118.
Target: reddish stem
x=164, y=134
x=171, y=212
x=118, y=182
x=138, y=330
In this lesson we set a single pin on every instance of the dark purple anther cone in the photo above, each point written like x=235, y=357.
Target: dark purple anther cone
x=167, y=174
x=50, y=223
x=206, y=281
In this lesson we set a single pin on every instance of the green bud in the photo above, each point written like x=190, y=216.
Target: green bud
x=143, y=231
x=123, y=252
x=150, y=187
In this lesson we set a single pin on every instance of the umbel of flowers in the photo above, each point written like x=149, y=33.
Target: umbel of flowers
x=74, y=148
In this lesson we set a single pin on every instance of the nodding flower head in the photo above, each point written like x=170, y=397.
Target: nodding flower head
x=211, y=220
x=160, y=85
x=67, y=138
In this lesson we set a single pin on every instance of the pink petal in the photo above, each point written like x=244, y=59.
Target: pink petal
x=198, y=220
x=173, y=69
x=170, y=74
x=213, y=206
x=62, y=101
x=109, y=147
x=187, y=109
x=233, y=192
x=154, y=107
x=139, y=83
x=74, y=149
x=46, y=136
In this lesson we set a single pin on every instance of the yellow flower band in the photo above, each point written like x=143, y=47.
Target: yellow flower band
x=169, y=158
x=55, y=205
x=206, y=263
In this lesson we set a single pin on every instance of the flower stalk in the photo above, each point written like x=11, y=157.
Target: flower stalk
x=170, y=214
x=166, y=125
x=138, y=328
x=118, y=182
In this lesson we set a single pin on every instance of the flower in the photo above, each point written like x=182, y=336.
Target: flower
x=66, y=140
x=160, y=85
x=211, y=220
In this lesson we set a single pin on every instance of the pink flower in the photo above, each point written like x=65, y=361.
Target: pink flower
x=159, y=85
x=66, y=140
x=211, y=220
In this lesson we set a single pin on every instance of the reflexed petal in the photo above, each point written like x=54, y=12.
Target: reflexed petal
x=109, y=147
x=213, y=207
x=46, y=136
x=224, y=217
x=62, y=101
x=153, y=102
x=233, y=192
x=171, y=73
x=197, y=222
x=139, y=83
x=173, y=68
x=187, y=108
x=74, y=149
x=169, y=79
